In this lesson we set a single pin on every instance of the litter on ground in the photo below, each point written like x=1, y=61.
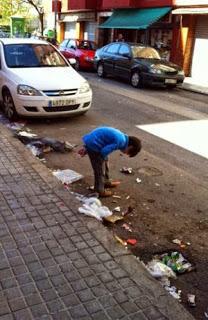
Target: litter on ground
x=138, y=180
x=191, y=298
x=39, y=145
x=128, y=211
x=117, y=209
x=113, y=218
x=126, y=227
x=67, y=176
x=93, y=207
x=176, y=261
x=121, y=241
x=131, y=241
x=159, y=270
x=126, y=170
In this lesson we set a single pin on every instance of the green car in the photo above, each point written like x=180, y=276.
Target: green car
x=138, y=64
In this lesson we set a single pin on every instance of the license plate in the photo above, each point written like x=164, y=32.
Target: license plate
x=170, y=80
x=61, y=103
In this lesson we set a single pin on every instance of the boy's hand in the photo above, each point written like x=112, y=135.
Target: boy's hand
x=82, y=152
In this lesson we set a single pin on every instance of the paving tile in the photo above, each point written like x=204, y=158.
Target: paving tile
x=55, y=306
x=85, y=295
x=4, y=308
x=71, y=300
x=24, y=314
x=78, y=312
x=115, y=312
x=17, y=304
x=152, y=313
x=39, y=311
x=33, y=299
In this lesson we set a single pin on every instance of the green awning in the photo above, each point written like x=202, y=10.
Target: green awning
x=134, y=18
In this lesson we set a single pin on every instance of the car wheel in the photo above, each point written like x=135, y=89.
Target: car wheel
x=100, y=70
x=77, y=65
x=136, y=79
x=8, y=105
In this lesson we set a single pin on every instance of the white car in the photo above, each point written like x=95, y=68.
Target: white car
x=36, y=80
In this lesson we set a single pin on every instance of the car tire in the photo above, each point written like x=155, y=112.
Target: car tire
x=8, y=105
x=136, y=79
x=100, y=70
x=77, y=65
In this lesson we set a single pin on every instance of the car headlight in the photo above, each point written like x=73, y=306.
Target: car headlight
x=88, y=59
x=25, y=90
x=154, y=70
x=181, y=73
x=84, y=87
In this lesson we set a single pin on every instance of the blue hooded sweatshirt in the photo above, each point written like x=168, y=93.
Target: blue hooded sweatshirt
x=106, y=140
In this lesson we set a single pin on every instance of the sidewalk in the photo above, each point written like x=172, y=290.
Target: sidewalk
x=56, y=263
x=194, y=85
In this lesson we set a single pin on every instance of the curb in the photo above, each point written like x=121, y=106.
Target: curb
x=194, y=88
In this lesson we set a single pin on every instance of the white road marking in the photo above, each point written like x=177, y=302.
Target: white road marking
x=191, y=135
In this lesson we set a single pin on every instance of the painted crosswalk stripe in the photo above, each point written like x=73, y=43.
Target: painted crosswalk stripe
x=191, y=135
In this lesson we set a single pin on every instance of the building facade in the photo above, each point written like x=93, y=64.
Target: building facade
x=178, y=28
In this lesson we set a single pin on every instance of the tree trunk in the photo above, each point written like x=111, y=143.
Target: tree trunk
x=41, y=15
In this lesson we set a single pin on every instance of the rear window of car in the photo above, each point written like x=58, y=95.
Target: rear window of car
x=113, y=48
x=32, y=55
x=145, y=52
x=86, y=45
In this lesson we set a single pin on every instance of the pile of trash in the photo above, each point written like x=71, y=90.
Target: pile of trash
x=39, y=146
x=165, y=267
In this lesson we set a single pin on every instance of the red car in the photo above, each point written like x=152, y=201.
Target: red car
x=82, y=50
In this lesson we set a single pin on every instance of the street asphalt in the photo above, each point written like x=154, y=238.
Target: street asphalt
x=56, y=263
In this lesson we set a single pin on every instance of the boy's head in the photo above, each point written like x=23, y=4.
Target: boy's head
x=134, y=147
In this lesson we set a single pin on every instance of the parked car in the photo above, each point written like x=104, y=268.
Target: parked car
x=36, y=80
x=141, y=65
x=82, y=50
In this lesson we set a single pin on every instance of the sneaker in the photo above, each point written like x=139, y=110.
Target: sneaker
x=112, y=184
x=105, y=194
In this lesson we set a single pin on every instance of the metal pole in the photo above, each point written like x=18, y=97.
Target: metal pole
x=55, y=18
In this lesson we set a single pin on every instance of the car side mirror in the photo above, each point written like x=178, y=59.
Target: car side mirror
x=72, y=62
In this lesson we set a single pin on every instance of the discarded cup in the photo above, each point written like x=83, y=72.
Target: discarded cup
x=191, y=300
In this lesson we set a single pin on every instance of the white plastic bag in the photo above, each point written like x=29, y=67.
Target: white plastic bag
x=93, y=207
x=159, y=269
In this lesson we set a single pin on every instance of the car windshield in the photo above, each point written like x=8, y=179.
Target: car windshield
x=145, y=52
x=86, y=45
x=32, y=56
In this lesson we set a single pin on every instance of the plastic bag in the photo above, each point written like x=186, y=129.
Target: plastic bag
x=159, y=269
x=93, y=207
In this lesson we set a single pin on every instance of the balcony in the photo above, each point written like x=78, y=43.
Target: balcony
x=82, y=4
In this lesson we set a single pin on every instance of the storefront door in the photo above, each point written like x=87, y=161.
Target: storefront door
x=70, y=30
x=90, y=30
x=200, y=54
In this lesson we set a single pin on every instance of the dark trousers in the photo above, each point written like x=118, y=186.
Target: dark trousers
x=100, y=169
